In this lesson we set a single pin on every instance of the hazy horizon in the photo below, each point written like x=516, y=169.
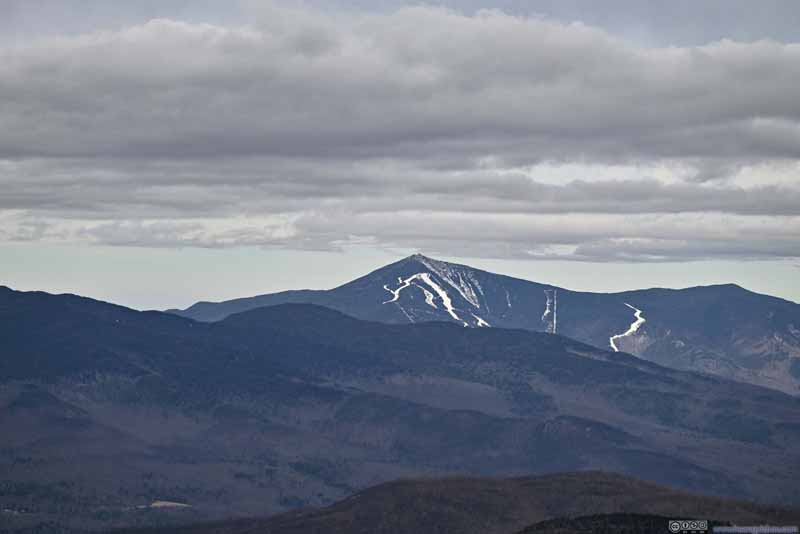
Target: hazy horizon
x=230, y=274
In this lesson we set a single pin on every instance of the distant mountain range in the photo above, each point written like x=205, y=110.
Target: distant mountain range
x=562, y=503
x=109, y=415
x=723, y=330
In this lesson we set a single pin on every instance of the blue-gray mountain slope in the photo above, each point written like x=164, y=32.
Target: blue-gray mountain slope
x=723, y=329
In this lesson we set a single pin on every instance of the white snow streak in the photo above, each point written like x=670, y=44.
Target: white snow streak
x=425, y=277
x=396, y=292
x=448, y=304
x=481, y=322
x=449, y=275
x=546, y=306
x=551, y=307
x=555, y=311
x=508, y=299
x=428, y=297
x=631, y=329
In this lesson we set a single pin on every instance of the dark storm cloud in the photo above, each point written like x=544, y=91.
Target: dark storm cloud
x=309, y=129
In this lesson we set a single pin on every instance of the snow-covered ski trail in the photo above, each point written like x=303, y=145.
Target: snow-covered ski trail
x=463, y=282
x=551, y=307
x=631, y=329
x=441, y=293
x=555, y=311
x=480, y=320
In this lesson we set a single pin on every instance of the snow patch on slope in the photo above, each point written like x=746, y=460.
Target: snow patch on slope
x=551, y=308
x=481, y=322
x=426, y=278
x=463, y=282
x=555, y=311
x=396, y=292
x=428, y=297
x=546, y=306
x=637, y=323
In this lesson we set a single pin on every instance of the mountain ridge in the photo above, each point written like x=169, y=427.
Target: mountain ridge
x=416, y=256
x=721, y=329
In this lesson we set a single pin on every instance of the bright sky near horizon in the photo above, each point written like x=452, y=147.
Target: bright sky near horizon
x=155, y=153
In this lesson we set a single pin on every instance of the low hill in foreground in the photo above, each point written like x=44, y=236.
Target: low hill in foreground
x=500, y=506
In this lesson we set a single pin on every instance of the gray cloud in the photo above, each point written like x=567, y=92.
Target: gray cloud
x=308, y=129
x=648, y=22
x=269, y=185
x=651, y=22
x=301, y=84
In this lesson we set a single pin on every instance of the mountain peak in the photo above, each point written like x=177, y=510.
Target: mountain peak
x=419, y=257
x=432, y=264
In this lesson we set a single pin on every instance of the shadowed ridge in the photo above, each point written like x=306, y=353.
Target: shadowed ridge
x=208, y=311
x=291, y=310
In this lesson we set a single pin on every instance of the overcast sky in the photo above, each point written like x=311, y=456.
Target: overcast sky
x=158, y=152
